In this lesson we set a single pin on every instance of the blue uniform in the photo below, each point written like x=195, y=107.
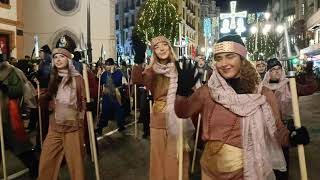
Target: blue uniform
x=110, y=104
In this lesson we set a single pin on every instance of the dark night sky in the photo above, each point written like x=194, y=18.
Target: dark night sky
x=250, y=5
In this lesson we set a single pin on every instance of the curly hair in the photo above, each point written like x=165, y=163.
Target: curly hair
x=249, y=77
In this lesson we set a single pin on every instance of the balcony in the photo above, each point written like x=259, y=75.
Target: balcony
x=190, y=25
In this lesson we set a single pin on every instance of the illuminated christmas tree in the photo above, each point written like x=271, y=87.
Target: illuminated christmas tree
x=158, y=17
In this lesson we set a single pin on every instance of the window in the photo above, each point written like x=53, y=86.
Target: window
x=117, y=24
x=65, y=7
x=117, y=8
x=132, y=20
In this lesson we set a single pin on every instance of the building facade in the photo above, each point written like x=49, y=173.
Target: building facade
x=11, y=24
x=190, y=15
x=208, y=9
x=126, y=15
x=313, y=30
x=53, y=19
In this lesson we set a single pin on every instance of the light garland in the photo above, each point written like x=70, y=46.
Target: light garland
x=158, y=17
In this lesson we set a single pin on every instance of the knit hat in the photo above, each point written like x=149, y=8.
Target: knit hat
x=46, y=49
x=158, y=39
x=230, y=43
x=62, y=51
x=109, y=62
x=272, y=63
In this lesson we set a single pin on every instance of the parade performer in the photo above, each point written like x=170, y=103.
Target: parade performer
x=241, y=123
x=112, y=81
x=43, y=76
x=65, y=136
x=12, y=90
x=306, y=81
x=261, y=67
x=160, y=77
x=203, y=70
x=276, y=80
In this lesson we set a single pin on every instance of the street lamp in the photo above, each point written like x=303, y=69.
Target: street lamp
x=266, y=29
x=267, y=15
x=254, y=29
x=279, y=29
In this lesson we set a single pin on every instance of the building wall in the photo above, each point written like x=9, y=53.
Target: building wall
x=41, y=18
x=126, y=18
x=10, y=20
x=190, y=11
x=209, y=9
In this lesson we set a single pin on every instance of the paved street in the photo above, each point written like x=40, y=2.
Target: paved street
x=122, y=157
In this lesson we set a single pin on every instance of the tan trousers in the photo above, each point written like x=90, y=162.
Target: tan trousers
x=57, y=146
x=164, y=164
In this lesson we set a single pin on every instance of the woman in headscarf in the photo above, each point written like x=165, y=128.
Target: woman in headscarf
x=65, y=135
x=241, y=123
x=160, y=77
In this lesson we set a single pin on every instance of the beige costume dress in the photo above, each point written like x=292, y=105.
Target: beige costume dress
x=163, y=150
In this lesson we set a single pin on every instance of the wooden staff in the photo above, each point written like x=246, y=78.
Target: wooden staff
x=129, y=88
x=150, y=103
x=180, y=148
x=180, y=123
x=197, y=133
x=295, y=108
x=90, y=124
x=39, y=113
x=98, y=100
x=195, y=144
x=4, y=167
x=135, y=112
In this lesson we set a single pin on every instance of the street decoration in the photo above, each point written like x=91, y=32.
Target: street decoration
x=233, y=21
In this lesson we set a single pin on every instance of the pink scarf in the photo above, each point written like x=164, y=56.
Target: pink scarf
x=261, y=151
x=282, y=92
x=169, y=70
x=67, y=94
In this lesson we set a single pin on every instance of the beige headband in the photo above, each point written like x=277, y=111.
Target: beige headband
x=158, y=39
x=230, y=46
x=62, y=51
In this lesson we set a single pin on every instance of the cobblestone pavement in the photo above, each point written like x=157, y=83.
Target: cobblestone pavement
x=124, y=157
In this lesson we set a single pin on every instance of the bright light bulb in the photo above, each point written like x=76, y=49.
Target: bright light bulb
x=267, y=27
x=279, y=29
x=267, y=15
x=254, y=29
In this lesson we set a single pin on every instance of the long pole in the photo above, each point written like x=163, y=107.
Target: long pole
x=129, y=86
x=39, y=113
x=195, y=144
x=89, y=50
x=4, y=167
x=135, y=112
x=295, y=108
x=180, y=125
x=198, y=130
x=99, y=92
x=90, y=124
